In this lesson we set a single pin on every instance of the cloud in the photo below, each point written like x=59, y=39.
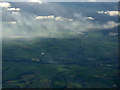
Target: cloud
x=112, y=34
x=92, y=0
x=110, y=13
x=11, y=22
x=63, y=0
x=15, y=12
x=44, y=17
x=13, y=9
x=5, y=4
x=38, y=1
x=52, y=17
x=110, y=24
x=19, y=37
x=100, y=11
x=45, y=26
x=51, y=26
x=91, y=18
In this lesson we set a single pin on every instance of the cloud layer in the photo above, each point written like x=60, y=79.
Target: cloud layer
x=51, y=26
x=30, y=25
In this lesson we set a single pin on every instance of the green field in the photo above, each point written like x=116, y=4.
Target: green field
x=85, y=61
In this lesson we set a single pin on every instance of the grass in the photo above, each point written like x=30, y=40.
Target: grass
x=76, y=62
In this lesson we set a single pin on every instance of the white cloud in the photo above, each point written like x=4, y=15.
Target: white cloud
x=70, y=20
x=12, y=22
x=100, y=11
x=62, y=19
x=15, y=12
x=110, y=24
x=5, y=4
x=13, y=9
x=19, y=37
x=44, y=17
x=38, y=1
x=51, y=26
x=91, y=18
x=58, y=18
x=112, y=34
x=63, y=0
x=92, y=0
x=110, y=13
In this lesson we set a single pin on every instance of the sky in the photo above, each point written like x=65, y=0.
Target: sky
x=58, y=20
x=61, y=0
